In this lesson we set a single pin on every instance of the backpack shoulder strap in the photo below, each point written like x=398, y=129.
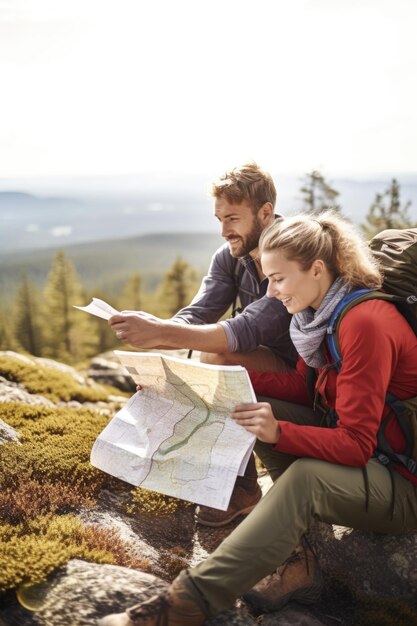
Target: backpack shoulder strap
x=237, y=276
x=348, y=302
x=383, y=452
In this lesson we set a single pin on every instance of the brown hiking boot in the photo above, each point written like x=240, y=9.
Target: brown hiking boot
x=180, y=605
x=242, y=502
x=298, y=578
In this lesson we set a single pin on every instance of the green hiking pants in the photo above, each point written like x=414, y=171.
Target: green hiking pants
x=308, y=490
x=277, y=462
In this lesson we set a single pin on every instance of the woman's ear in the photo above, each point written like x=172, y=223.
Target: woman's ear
x=318, y=268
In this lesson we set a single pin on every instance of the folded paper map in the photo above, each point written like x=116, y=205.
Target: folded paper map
x=175, y=436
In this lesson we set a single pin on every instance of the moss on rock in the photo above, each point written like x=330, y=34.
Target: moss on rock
x=30, y=551
x=147, y=501
x=50, y=383
x=55, y=445
x=46, y=478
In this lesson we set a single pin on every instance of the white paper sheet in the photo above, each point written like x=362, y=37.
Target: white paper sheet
x=175, y=436
x=100, y=308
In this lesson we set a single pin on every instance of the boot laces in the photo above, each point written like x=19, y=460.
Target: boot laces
x=293, y=558
x=300, y=553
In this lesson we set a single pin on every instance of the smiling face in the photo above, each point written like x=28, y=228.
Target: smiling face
x=241, y=227
x=297, y=289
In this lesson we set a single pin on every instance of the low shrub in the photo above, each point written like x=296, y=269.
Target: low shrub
x=30, y=498
x=31, y=551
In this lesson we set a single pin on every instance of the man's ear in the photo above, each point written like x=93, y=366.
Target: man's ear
x=266, y=213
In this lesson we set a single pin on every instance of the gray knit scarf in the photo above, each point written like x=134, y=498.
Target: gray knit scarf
x=308, y=328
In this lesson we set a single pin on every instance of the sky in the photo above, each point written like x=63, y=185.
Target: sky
x=197, y=86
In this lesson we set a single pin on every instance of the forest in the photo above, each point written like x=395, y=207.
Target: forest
x=38, y=316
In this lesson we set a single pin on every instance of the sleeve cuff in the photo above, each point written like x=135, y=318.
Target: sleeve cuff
x=232, y=344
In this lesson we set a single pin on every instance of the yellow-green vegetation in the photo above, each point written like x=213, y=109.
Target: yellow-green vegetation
x=56, y=445
x=42, y=479
x=52, y=384
x=47, y=477
x=146, y=501
x=32, y=550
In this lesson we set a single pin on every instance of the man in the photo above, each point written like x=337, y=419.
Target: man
x=258, y=338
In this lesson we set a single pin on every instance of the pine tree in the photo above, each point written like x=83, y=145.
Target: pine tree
x=69, y=334
x=105, y=339
x=318, y=194
x=178, y=286
x=386, y=212
x=131, y=298
x=27, y=324
x=7, y=339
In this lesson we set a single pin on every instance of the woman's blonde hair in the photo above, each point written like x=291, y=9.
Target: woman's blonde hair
x=326, y=236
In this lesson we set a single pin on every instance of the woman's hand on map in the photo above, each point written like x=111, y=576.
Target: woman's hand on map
x=257, y=418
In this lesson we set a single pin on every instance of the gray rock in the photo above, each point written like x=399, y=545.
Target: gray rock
x=14, y=392
x=291, y=616
x=62, y=367
x=81, y=593
x=7, y=433
x=368, y=564
x=110, y=372
x=17, y=355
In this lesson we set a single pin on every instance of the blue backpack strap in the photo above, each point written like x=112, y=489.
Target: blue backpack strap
x=348, y=302
x=384, y=453
x=345, y=304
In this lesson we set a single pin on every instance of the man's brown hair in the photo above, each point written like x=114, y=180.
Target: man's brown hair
x=247, y=183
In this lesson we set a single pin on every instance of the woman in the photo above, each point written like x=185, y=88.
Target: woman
x=311, y=264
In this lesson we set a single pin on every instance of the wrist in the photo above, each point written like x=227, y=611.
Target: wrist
x=168, y=333
x=277, y=433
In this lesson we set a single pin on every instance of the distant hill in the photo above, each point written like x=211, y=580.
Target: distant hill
x=107, y=225
x=37, y=214
x=29, y=221
x=107, y=264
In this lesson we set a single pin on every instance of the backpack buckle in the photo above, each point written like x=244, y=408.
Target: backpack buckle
x=382, y=458
x=411, y=466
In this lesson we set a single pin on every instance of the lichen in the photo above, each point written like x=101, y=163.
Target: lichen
x=52, y=384
x=43, y=479
x=46, y=477
x=31, y=551
x=55, y=445
x=146, y=501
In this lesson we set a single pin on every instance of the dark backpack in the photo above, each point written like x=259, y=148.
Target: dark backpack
x=396, y=251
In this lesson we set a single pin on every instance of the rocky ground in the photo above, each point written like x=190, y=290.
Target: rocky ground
x=370, y=579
